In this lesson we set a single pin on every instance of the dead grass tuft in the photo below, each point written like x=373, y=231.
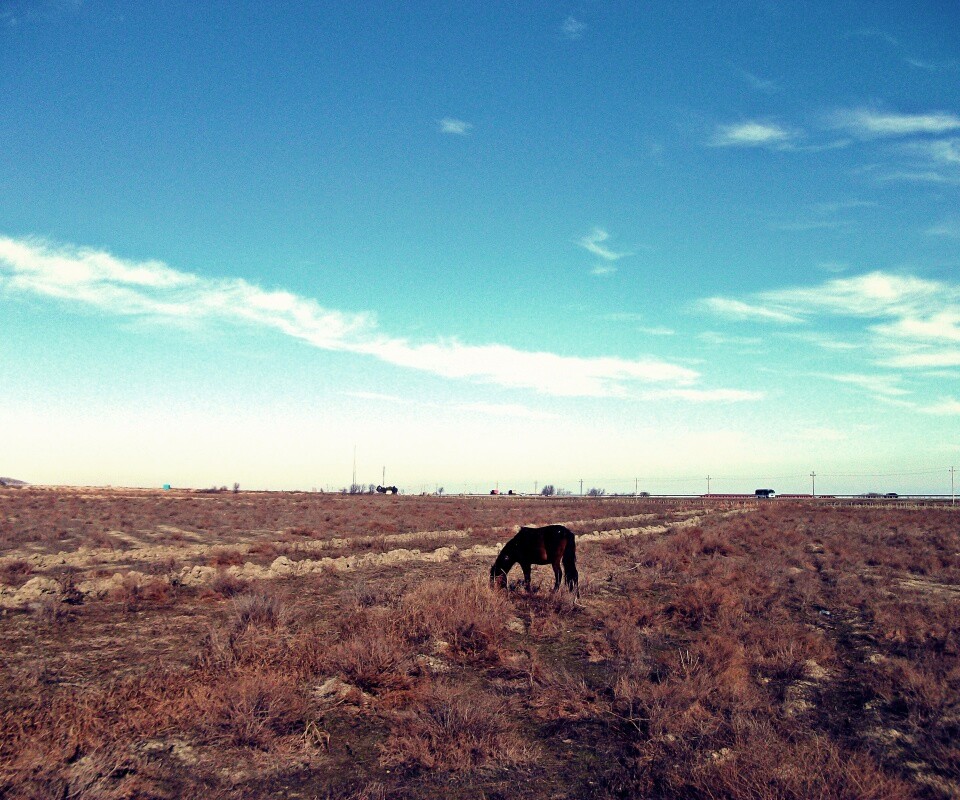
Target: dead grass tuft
x=467, y=615
x=253, y=709
x=455, y=729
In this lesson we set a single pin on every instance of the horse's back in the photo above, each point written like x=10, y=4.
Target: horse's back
x=543, y=544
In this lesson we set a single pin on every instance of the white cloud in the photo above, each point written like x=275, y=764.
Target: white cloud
x=820, y=340
x=722, y=339
x=940, y=326
x=593, y=243
x=705, y=395
x=751, y=134
x=572, y=28
x=603, y=269
x=871, y=294
x=866, y=123
x=738, y=309
x=153, y=290
x=455, y=126
x=946, y=407
x=658, y=331
x=914, y=323
x=926, y=359
x=886, y=385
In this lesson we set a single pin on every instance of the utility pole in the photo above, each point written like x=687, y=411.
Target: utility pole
x=813, y=484
x=535, y=485
x=354, y=467
x=708, y=485
x=383, y=481
x=952, y=495
x=636, y=486
x=581, y=487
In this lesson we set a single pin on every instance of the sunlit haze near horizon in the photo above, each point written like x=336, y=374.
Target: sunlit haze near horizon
x=481, y=245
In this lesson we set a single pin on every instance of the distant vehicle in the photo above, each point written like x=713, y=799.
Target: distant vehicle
x=766, y=493
x=494, y=491
x=891, y=495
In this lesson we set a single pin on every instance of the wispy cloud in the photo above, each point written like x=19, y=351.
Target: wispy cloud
x=723, y=339
x=738, y=309
x=835, y=206
x=926, y=359
x=946, y=407
x=752, y=134
x=873, y=294
x=759, y=84
x=572, y=28
x=874, y=33
x=941, y=152
x=820, y=340
x=878, y=384
x=948, y=228
x=909, y=322
x=869, y=124
x=455, y=126
x=593, y=242
x=705, y=395
x=153, y=290
x=804, y=226
x=659, y=330
x=602, y=270
x=932, y=66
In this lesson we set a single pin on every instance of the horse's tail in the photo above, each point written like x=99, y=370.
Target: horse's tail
x=570, y=574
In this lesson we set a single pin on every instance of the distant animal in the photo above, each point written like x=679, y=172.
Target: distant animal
x=387, y=489
x=550, y=544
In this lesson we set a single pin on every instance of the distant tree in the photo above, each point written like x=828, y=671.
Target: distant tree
x=548, y=490
x=440, y=491
x=644, y=494
x=595, y=492
x=356, y=488
x=236, y=488
x=564, y=493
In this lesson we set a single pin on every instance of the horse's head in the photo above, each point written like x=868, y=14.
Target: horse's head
x=499, y=570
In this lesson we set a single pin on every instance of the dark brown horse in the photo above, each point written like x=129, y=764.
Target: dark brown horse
x=551, y=544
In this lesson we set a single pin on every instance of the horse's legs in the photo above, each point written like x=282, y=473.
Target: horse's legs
x=526, y=575
x=556, y=574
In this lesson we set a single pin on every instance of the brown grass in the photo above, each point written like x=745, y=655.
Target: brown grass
x=455, y=729
x=792, y=651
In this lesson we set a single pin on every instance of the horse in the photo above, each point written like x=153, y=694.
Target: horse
x=551, y=544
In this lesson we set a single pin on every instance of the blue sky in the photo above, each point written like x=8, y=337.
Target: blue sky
x=633, y=244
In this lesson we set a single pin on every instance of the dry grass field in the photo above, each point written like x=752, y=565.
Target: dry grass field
x=171, y=644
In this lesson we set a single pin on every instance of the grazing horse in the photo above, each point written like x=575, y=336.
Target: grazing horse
x=551, y=544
